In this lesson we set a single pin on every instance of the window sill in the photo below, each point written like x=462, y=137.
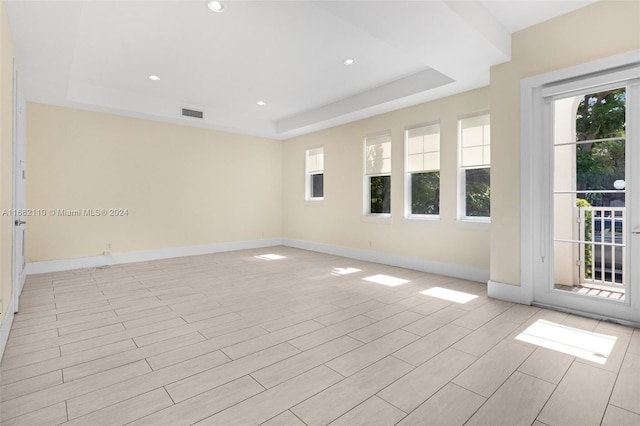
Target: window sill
x=422, y=219
x=377, y=218
x=314, y=201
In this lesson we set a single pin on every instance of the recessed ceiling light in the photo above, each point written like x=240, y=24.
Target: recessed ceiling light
x=349, y=61
x=215, y=6
x=154, y=77
x=261, y=103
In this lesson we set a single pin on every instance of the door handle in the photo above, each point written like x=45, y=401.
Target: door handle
x=19, y=222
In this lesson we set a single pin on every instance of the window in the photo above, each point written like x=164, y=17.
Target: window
x=314, y=166
x=423, y=170
x=475, y=167
x=378, y=174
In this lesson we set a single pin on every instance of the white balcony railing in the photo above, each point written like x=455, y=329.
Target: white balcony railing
x=602, y=232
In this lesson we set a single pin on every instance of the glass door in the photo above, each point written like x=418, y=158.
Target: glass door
x=589, y=194
x=593, y=156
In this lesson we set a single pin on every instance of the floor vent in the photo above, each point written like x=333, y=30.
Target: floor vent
x=192, y=113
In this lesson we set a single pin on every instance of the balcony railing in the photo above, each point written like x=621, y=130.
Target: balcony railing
x=602, y=231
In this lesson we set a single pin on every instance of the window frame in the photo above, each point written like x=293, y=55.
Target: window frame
x=367, y=176
x=408, y=175
x=368, y=179
x=308, y=175
x=462, y=176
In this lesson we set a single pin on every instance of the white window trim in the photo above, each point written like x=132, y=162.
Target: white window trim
x=407, y=178
x=307, y=178
x=462, y=188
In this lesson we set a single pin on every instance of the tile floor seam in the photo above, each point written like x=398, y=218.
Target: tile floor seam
x=485, y=352
x=232, y=360
x=81, y=394
x=41, y=408
x=517, y=369
x=255, y=380
x=367, y=399
x=625, y=409
x=480, y=408
x=93, y=360
x=555, y=389
x=104, y=335
x=618, y=374
x=44, y=388
x=367, y=365
x=324, y=327
x=398, y=378
x=614, y=385
x=294, y=414
x=169, y=395
x=120, y=402
x=598, y=366
x=260, y=393
x=377, y=394
x=220, y=411
x=486, y=398
x=147, y=362
x=337, y=372
x=185, y=377
x=537, y=378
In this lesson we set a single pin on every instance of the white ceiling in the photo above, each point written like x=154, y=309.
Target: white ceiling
x=98, y=55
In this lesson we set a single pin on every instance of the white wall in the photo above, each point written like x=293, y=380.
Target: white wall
x=182, y=186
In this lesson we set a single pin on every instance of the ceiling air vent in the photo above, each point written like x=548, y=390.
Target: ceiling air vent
x=192, y=113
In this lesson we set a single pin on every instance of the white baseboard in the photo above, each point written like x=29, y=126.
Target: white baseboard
x=508, y=292
x=448, y=269
x=5, y=327
x=142, y=256
x=458, y=271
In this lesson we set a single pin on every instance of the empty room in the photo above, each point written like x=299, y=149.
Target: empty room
x=309, y=212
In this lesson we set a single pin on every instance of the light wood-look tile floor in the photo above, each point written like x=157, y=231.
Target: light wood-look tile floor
x=282, y=336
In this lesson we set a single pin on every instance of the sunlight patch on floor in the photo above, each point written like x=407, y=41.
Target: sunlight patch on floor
x=270, y=256
x=386, y=280
x=450, y=295
x=572, y=341
x=344, y=271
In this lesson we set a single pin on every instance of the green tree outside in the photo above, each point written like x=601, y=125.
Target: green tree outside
x=601, y=116
x=425, y=193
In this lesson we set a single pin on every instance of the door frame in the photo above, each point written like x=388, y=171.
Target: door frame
x=19, y=188
x=535, y=209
